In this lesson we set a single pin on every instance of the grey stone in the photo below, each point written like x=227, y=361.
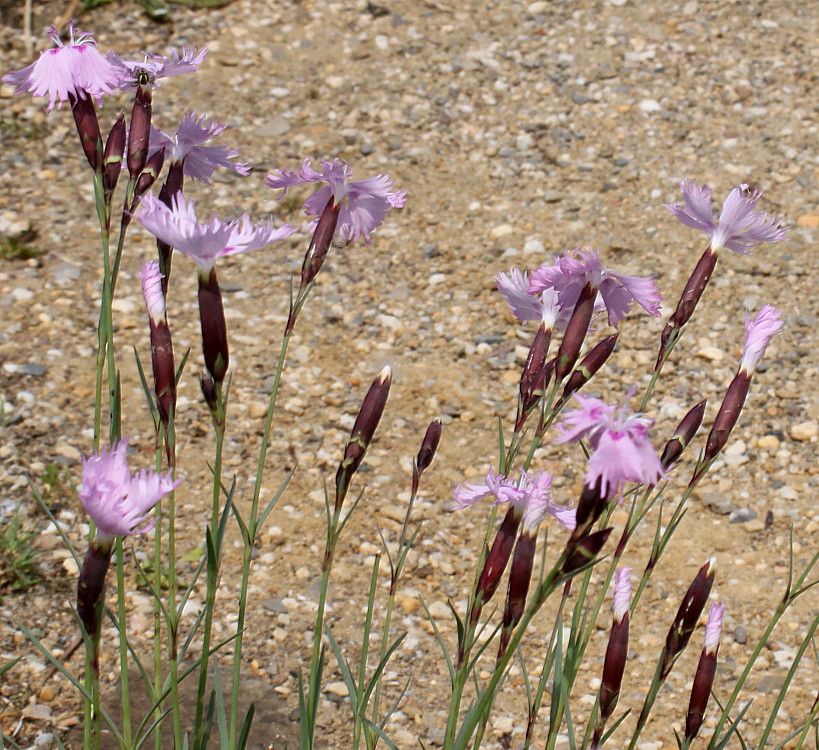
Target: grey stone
x=742, y=515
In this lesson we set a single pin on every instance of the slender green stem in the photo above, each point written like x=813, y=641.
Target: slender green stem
x=90, y=722
x=487, y=696
x=213, y=579
x=173, y=615
x=248, y=548
x=315, y=676
x=157, y=603
x=122, y=625
x=361, y=707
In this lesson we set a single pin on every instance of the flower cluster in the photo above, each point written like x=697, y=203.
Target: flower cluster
x=364, y=204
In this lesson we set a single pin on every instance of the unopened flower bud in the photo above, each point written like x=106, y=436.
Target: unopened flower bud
x=584, y=552
x=214, y=328
x=140, y=130
x=683, y=435
x=706, y=671
x=575, y=333
x=694, y=288
x=88, y=127
x=520, y=576
x=496, y=560
x=209, y=391
x=112, y=157
x=320, y=242
x=369, y=415
x=429, y=445
x=91, y=584
x=535, y=375
x=688, y=615
x=148, y=176
x=616, y=652
x=589, y=366
x=162, y=358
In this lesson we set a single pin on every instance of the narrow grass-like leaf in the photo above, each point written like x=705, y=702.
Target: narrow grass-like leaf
x=441, y=642
x=147, y=389
x=182, y=364
x=343, y=666
x=380, y=732
x=244, y=733
x=275, y=499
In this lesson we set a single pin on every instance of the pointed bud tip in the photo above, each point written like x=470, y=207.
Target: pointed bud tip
x=385, y=375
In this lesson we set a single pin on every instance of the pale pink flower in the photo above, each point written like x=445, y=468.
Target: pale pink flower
x=151, y=280
x=542, y=306
x=621, y=449
x=178, y=227
x=185, y=145
x=576, y=268
x=364, y=204
x=116, y=501
x=154, y=68
x=622, y=592
x=740, y=226
x=75, y=69
x=713, y=627
x=758, y=334
x=531, y=493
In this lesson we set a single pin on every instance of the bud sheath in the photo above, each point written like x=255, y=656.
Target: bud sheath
x=214, y=328
x=575, y=333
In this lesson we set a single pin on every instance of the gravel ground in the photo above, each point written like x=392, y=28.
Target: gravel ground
x=520, y=130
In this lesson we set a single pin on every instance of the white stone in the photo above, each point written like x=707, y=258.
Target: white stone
x=650, y=105
x=805, y=430
x=501, y=231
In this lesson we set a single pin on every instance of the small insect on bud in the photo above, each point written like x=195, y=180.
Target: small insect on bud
x=369, y=415
x=683, y=435
x=575, y=333
x=140, y=132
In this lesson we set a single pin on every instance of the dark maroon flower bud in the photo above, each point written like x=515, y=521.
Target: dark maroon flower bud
x=706, y=671
x=584, y=551
x=164, y=370
x=112, y=158
x=688, y=616
x=535, y=376
x=174, y=182
x=520, y=576
x=694, y=288
x=88, y=127
x=616, y=653
x=589, y=367
x=683, y=435
x=209, y=392
x=575, y=333
x=320, y=242
x=496, y=561
x=590, y=507
x=429, y=445
x=148, y=176
x=91, y=586
x=214, y=328
x=369, y=415
x=140, y=132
